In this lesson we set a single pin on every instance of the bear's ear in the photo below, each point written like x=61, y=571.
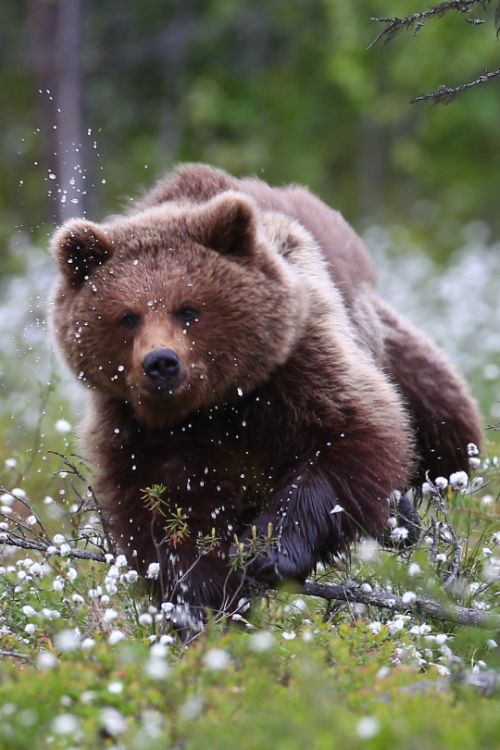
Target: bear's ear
x=226, y=224
x=79, y=246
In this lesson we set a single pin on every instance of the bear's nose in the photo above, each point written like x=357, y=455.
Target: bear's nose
x=161, y=365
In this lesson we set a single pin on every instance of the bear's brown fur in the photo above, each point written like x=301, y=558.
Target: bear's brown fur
x=235, y=352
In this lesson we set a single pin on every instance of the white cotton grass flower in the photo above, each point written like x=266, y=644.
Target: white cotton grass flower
x=490, y=572
x=414, y=570
x=115, y=637
x=367, y=727
x=487, y=500
x=260, y=642
x=441, y=639
x=113, y=721
x=10, y=463
x=88, y=696
x=288, y=635
x=36, y=569
x=66, y=640
x=64, y=724
x=153, y=570
x=6, y=498
x=59, y=539
x=63, y=427
x=131, y=576
x=158, y=669
x=115, y=688
x=191, y=708
x=30, y=628
x=375, y=627
x=18, y=492
x=216, y=659
x=472, y=449
x=46, y=660
x=427, y=488
x=368, y=550
x=87, y=643
x=409, y=597
x=28, y=610
x=399, y=534
x=420, y=629
x=396, y=625
x=145, y=619
x=121, y=561
x=109, y=615
x=441, y=483
x=58, y=584
x=459, y=480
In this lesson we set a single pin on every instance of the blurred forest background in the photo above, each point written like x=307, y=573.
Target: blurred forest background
x=100, y=97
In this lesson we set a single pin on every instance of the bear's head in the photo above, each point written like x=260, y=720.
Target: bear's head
x=177, y=308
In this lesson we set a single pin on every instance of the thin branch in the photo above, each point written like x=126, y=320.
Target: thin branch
x=13, y=654
x=77, y=473
x=422, y=605
x=445, y=95
x=394, y=26
x=14, y=541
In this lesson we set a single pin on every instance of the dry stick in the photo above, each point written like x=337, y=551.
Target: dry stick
x=394, y=26
x=421, y=605
x=13, y=654
x=12, y=541
x=444, y=95
x=67, y=462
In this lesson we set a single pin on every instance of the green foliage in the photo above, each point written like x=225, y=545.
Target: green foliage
x=89, y=659
x=286, y=89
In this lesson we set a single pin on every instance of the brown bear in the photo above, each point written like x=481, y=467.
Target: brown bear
x=236, y=355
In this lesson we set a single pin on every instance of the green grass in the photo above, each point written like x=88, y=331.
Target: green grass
x=89, y=662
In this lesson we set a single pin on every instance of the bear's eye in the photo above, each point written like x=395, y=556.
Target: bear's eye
x=130, y=321
x=187, y=314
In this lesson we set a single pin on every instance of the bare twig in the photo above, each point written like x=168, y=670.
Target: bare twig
x=394, y=26
x=13, y=654
x=422, y=606
x=74, y=470
x=445, y=95
x=23, y=543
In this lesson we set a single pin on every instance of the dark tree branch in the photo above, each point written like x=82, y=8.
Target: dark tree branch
x=394, y=26
x=422, y=605
x=444, y=95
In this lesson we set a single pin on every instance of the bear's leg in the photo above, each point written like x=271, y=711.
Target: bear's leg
x=315, y=516
x=441, y=409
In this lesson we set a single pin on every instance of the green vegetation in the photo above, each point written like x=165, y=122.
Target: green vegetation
x=89, y=660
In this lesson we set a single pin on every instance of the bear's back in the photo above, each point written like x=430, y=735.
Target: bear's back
x=348, y=260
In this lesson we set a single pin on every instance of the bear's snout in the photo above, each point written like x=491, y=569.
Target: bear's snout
x=161, y=366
